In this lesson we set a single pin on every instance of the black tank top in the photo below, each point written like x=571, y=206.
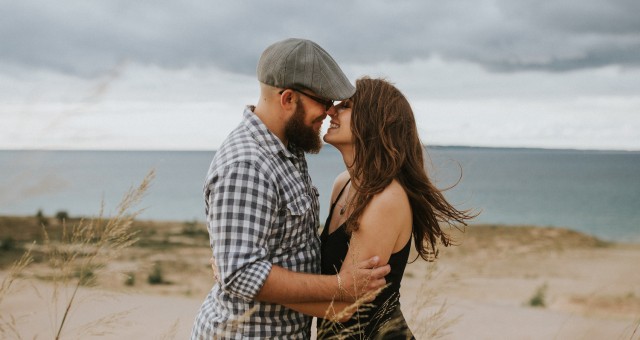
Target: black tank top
x=385, y=307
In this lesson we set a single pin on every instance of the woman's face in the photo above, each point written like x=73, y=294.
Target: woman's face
x=339, y=132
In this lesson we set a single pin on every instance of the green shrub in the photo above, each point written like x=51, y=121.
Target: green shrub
x=62, y=215
x=42, y=220
x=7, y=244
x=155, y=277
x=130, y=280
x=538, y=299
x=193, y=228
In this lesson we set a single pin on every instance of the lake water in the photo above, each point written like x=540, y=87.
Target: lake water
x=597, y=192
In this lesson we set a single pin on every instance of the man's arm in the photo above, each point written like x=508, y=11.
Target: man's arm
x=241, y=206
x=331, y=310
x=284, y=286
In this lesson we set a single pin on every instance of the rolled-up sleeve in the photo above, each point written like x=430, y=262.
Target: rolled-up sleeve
x=240, y=215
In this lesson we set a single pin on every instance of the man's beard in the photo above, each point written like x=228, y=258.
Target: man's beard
x=302, y=136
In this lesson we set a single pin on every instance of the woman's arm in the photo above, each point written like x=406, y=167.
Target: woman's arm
x=385, y=227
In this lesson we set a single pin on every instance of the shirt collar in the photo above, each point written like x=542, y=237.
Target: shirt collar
x=266, y=138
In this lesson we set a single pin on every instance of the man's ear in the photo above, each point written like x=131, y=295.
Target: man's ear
x=288, y=100
x=287, y=97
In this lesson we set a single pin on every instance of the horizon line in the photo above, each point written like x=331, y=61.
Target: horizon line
x=435, y=146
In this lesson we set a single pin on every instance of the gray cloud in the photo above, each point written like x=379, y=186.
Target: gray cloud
x=502, y=35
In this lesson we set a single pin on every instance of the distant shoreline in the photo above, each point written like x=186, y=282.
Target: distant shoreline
x=24, y=223
x=431, y=146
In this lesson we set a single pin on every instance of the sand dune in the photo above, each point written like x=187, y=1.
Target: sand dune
x=590, y=290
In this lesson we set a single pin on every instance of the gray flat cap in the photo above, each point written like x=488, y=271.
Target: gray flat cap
x=303, y=64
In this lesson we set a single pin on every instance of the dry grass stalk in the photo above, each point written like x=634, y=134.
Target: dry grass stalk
x=14, y=272
x=358, y=310
x=229, y=330
x=103, y=241
x=9, y=328
x=434, y=325
x=82, y=251
x=362, y=308
x=635, y=334
x=171, y=332
x=236, y=323
x=9, y=323
x=104, y=325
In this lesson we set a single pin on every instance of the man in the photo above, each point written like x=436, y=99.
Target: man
x=262, y=209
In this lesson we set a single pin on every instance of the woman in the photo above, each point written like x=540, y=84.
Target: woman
x=382, y=201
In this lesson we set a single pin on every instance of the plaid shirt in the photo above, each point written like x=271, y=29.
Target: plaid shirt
x=262, y=209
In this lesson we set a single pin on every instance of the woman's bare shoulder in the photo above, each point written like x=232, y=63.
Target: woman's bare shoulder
x=391, y=203
x=393, y=194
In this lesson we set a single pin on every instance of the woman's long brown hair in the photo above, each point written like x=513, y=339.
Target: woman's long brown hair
x=387, y=147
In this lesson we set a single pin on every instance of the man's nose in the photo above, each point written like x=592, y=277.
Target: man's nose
x=332, y=111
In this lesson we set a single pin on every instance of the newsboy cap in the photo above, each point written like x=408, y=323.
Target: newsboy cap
x=302, y=64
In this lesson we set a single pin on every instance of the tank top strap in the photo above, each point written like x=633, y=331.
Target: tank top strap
x=333, y=205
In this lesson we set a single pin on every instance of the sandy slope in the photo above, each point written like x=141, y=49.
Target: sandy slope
x=592, y=291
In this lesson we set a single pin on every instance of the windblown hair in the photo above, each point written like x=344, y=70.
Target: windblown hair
x=387, y=147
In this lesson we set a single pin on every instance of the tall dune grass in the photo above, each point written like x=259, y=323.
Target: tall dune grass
x=76, y=258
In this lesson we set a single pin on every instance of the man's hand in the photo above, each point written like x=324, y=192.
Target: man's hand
x=362, y=280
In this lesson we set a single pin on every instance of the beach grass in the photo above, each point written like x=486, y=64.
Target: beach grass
x=75, y=255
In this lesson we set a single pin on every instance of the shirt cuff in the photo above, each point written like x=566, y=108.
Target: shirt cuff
x=250, y=281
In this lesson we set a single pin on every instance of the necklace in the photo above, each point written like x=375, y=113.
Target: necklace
x=346, y=202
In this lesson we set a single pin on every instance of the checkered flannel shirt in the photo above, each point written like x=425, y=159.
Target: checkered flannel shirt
x=262, y=209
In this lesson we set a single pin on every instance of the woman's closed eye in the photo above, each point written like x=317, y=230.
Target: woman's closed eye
x=345, y=104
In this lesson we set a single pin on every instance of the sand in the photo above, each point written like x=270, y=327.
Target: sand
x=590, y=290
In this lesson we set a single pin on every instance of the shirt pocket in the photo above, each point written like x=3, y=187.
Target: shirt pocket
x=298, y=217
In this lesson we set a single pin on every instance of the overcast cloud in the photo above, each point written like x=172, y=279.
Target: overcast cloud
x=150, y=74
x=86, y=37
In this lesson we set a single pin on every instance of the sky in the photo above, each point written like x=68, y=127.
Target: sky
x=176, y=75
